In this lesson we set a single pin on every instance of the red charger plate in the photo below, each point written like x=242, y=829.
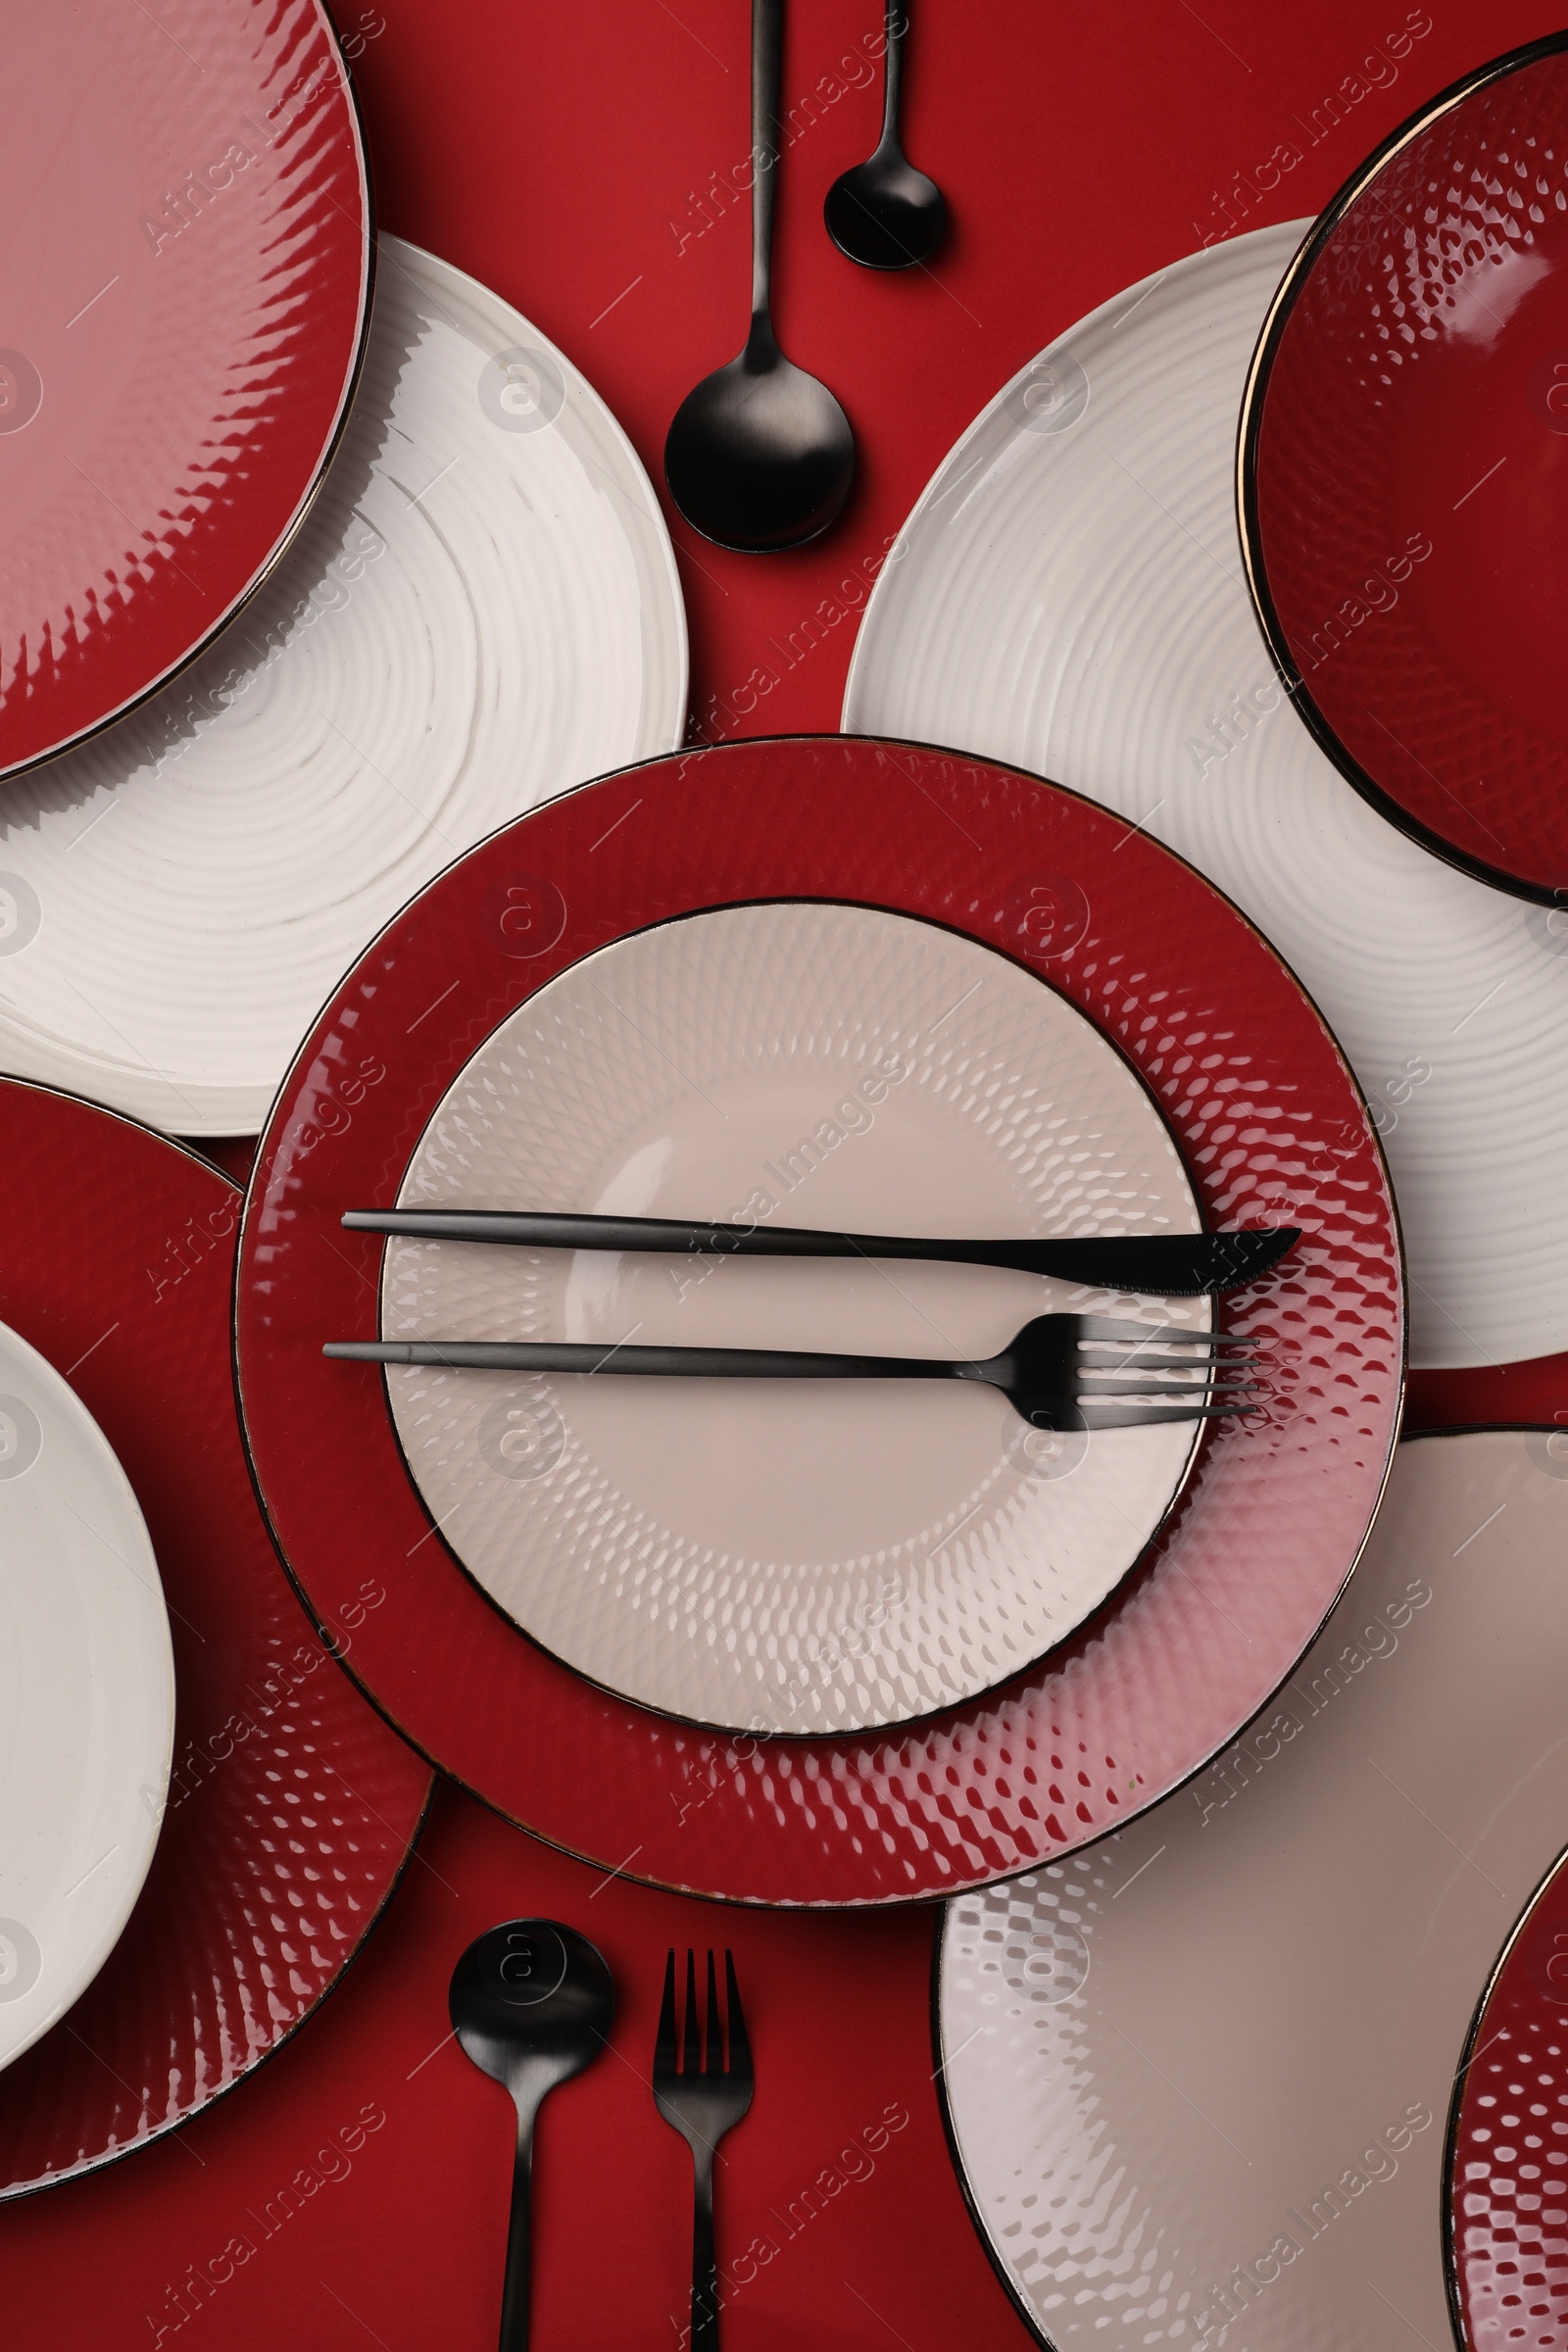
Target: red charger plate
x=291, y=1810
x=1404, y=474
x=185, y=294
x=1274, y=1130
x=1507, y=2200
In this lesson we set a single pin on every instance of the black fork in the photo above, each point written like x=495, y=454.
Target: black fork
x=702, y=2099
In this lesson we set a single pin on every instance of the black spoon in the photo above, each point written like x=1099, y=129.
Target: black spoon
x=532, y=2004
x=760, y=455
x=885, y=214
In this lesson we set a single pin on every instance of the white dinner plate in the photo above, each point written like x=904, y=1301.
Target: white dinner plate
x=87, y=1698
x=1068, y=594
x=481, y=611
x=784, y=1555
x=1198, y=2076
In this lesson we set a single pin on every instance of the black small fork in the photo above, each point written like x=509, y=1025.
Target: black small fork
x=702, y=2099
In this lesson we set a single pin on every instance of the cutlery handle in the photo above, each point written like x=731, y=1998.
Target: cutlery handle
x=767, y=63
x=514, y=2293
x=704, y=2261
x=1165, y=1265
x=667, y=1363
x=896, y=23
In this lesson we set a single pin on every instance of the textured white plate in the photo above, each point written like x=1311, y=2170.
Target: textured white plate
x=1068, y=595
x=778, y=1555
x=87, y=1698
x=1198, y=2076
x=481, y=611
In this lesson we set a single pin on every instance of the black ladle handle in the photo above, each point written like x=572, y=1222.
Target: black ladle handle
x=898, y=25
x=767, y=69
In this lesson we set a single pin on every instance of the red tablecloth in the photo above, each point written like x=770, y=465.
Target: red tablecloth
x=575, y=158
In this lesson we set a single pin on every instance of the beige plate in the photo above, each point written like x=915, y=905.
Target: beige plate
x=1198, y=2076
x=788, y=1556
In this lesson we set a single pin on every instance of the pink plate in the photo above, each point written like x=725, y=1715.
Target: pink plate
x=185, y=291
x=1405, y=473
x=290, y=1809
x=1508, y=2219
x=1273, y=1130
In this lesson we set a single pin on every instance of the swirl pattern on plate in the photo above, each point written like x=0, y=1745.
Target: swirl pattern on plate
x=1068, y=594
x=481, y=610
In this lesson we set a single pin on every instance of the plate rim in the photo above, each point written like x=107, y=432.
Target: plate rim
x=310, y=491
x=12, y=2192
x=896, y=1723
x=1249, y=434
x=895, y=1900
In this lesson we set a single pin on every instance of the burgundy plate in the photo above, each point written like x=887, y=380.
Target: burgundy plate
x=290, y=1809
x=1274, y=1131
x=185, y=291
x=1404, y=474
x=1507, y=2218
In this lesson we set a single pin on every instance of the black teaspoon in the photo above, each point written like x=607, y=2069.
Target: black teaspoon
x=531, y=2003
x=760, y=456
x=885, y=214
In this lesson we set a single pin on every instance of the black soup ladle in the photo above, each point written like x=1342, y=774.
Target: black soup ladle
x=885, y=214
x=531, y=2003
x=759, y=456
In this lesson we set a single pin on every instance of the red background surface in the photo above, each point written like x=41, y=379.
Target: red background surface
x=545, y=149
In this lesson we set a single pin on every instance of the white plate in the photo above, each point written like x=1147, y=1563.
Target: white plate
x=777, y=1556
x=481, y=611
x=1198, y=2076
x=87, y=1698
x=1068, y=595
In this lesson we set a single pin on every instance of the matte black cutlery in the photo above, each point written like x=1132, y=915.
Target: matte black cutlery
x=1165, y=1265
x=531, y=2003
x=702, y=2096
x=1058, y=1372
x=761, y=455
x=885, y=214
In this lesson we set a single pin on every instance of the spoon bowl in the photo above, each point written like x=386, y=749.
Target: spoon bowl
x=884, y=213
x=759, y=453
x=532, y=2004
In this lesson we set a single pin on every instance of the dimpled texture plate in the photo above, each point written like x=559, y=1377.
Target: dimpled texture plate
x=1507, y=2195
x=481, y=610
x=1404, y=468
x=1073, y=599
x=1197, y=2076
x=781, y=1556
x=183, y=283
x=1272, y=1131
x=289, y=1809
x=86, y=1697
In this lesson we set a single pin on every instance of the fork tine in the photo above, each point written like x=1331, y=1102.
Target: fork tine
x=740, y=2048
x=692, y=2062
x=664, y=2051
x=1167, y=1387
x=1113, y=1416
x=1164, y=1363
x=713, y=2053
x=1162, y=1335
